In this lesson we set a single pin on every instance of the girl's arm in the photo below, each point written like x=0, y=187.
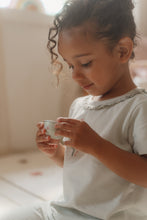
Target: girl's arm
x=129, y=166
x=51, y=147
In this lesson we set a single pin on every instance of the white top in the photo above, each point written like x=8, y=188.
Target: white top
x=88, y=186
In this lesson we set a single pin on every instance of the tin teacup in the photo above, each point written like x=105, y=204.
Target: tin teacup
x=49, y=125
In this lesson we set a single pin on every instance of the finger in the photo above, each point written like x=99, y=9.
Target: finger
x=41, y=132
x=42, y=145
x=43, y=139
x=47, y=139
x=68, y=120
x=68, y=143
x=40, y=125
x=64, y=133
x=54, y=141
x=64, y=126
x=48, y=146
x=52, y=146
x=50, y=151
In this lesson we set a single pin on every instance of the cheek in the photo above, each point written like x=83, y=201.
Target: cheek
x=103, y=76
x=98, y=75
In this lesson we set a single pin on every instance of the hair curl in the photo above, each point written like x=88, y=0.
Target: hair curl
x=113, y=20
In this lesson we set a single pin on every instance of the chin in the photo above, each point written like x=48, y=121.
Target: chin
x=93, y=93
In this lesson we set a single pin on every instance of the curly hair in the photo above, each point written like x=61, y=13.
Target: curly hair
x=112, y=19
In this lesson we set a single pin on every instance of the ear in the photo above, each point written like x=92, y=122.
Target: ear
x=124, y=49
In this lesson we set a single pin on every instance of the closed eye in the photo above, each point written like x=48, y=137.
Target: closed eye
x=83, y=65
x=86, y=64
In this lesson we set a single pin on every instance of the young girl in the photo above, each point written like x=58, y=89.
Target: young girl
x=104, y=156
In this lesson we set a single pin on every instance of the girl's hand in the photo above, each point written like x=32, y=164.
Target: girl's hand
x=44, y=142
x=81, y=135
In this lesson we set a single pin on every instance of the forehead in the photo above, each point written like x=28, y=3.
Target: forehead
x=75, y=39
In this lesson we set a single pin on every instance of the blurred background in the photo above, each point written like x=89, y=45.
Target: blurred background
x=28, y=91
x=29, y=94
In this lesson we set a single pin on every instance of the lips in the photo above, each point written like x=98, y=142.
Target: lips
x=88, y=86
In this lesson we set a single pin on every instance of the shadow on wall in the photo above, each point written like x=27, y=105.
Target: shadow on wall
x=27, y=92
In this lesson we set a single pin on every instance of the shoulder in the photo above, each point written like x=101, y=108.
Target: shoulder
x=77, y=104
x=135, y=100
x=140, y=100
x=139, y=108
x=80, y=100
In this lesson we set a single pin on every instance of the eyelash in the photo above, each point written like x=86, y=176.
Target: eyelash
x=86, y=64
x=83, y=65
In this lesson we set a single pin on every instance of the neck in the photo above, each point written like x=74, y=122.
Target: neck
x=124, y=85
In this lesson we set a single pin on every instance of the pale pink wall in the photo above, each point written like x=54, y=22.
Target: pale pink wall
x=28, y=95
x=4, y=131
x=141, y=16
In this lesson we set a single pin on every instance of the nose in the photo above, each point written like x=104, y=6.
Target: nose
x=77, y=74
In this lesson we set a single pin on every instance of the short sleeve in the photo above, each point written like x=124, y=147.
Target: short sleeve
x=140, y=128
x=71, y=109
x=74, y=107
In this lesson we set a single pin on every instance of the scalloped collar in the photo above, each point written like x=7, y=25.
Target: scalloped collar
x=91, y=104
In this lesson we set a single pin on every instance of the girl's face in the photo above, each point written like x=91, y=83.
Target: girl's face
x=96, y=70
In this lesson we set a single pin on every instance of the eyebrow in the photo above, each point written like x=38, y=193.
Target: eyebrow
x=81, y=55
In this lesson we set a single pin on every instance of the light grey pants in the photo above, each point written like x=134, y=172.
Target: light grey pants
x=36, y=212
x=44, y=211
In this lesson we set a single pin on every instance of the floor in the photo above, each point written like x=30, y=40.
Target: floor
x=28, y=178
